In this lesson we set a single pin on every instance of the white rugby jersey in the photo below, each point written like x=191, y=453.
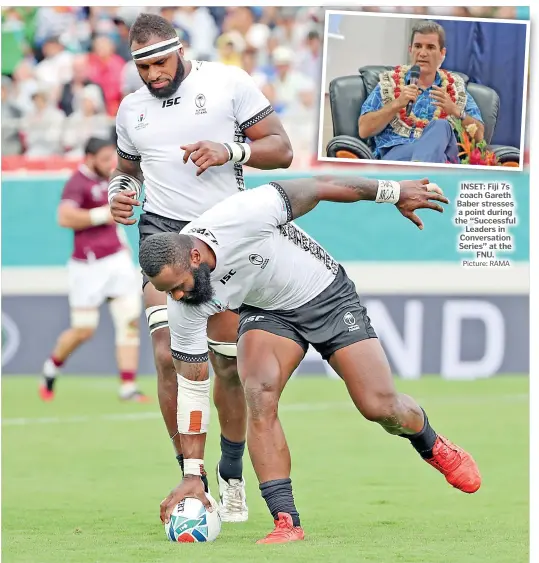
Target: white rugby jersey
x=215, y=102
x=262, y=259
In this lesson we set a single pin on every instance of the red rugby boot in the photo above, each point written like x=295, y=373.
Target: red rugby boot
x=285, y=531
x=45, y=394
x=458, y=466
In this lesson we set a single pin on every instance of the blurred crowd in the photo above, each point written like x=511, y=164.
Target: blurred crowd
x=65, y=69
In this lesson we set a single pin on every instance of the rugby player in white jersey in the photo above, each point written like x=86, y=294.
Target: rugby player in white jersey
x=183, y=134
x=246, y=252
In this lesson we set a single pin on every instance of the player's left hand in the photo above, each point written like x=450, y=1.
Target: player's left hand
x=443, y=100
x=205, y=154
x=419, y=194
x=190, y=486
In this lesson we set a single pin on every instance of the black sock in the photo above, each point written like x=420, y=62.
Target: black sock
x=179, y=459
x=231, y=463
x=49, y=382
x=279, y=498
x=423, y=441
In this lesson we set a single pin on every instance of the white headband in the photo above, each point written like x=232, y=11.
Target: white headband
x=161, y=48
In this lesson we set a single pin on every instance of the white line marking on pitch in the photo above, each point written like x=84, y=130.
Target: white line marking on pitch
x=298, y=407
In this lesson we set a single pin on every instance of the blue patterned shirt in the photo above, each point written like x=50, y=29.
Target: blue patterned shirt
x=423, y=108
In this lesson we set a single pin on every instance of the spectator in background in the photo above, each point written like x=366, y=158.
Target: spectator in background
x=54, y=21
x=249, y=59
x=122, y=40
x=76, y=84
x=242, y=21
x=11, y=141
x=24, y=87
x=17, y=36
x=295, y=101
x=88, y=120
x=290, y=84
x=105, y=69
x=310, y=57
x=42, y=126
x=229, y=47
x=56, y=68
x=124, y=19
x=200, y=26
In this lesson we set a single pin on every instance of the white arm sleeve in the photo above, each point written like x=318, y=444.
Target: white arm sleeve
x=125, y=148
x=250, y=104
x=188, y=331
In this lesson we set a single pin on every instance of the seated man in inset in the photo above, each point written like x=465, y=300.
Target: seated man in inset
x=439, y=99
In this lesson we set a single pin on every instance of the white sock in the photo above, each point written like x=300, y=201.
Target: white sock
x=49, y=369
x=127, y=388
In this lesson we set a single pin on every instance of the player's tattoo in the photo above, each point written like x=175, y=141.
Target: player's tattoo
x=301, y=196
x=364, y=188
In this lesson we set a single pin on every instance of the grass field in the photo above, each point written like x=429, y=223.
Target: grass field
x=82, y=479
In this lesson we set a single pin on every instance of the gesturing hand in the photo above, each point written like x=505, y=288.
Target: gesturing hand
x=121, y=207
x=205, y=154
x=443, y=100
x=419, y=194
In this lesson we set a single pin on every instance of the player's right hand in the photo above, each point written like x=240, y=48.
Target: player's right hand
x=408, y=94
x=190, y=486
x=419, y=194
x=121, y=207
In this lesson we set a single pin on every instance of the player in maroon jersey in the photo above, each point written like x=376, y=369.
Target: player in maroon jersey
x=100, y=269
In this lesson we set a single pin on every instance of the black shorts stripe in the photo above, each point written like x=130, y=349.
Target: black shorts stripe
x=256, y=118
x=190, y=358
x=127, y=156
x=286, y=199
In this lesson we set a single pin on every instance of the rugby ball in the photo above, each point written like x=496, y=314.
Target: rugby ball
x=190, y=522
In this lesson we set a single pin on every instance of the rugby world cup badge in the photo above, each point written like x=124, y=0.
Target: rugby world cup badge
x=141, y=120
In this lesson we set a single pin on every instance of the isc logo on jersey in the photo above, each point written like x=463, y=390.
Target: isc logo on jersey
x=171, y=102
x=227, y=277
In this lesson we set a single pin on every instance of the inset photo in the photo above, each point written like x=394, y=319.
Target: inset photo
x=443, y=91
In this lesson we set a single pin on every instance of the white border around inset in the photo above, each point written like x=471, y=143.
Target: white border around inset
x=320, y=152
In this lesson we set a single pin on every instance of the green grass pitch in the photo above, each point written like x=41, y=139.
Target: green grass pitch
x=82, y=478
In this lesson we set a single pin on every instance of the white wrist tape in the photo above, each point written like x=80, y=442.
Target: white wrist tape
x=193, y=406
x=238, y=152
x=388, y=191
x=193, y=466
x=99, y=215
x=124, y=182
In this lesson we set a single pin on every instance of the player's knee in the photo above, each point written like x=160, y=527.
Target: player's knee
x=262, y=397
x=125, y=312
x=379, y=407
x=84, y=322
x=226, y=369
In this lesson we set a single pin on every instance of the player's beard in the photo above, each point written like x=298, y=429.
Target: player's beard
x=202, y=291
x=170, y=90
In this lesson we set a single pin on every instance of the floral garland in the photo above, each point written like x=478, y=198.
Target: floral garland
x=474, y=152
x=391, y=86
